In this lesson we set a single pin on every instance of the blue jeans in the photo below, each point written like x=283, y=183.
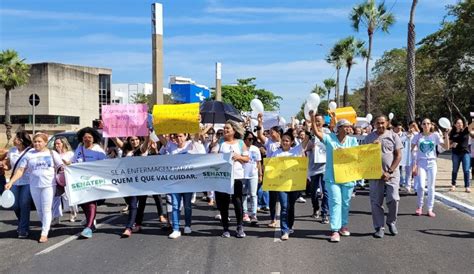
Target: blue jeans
x=263, y=197
x=465, y=159
x=250, y=189
x=339, y=204
x=22, y=206
x=317, y=181
x=287, y=210
x=187, y=209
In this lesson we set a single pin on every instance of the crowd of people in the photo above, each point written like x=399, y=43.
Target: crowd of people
x=408, y=161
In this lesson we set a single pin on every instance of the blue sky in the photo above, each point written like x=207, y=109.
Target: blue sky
x=281, y=43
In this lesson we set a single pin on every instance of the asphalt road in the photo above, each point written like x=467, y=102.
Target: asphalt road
x=444, y=244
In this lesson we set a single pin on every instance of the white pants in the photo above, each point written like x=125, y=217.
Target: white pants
x=57, y=207
x=426, y=175
x=43, y=199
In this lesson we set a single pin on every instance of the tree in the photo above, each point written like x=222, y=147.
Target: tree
x=335, y=58
x=374, y=17
x=329, y=83
x=245, y=91
x=411, y=64
x=350, y=48
x=14, y=72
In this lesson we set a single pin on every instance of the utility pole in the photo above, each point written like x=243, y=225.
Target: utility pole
x=218, y=81
x=157, y=52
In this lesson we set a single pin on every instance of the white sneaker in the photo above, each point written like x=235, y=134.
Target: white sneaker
x=175, y=234
x=218, y=217
x=301, y=200
x=187, y=230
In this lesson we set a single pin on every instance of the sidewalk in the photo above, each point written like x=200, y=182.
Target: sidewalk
x=459, y=199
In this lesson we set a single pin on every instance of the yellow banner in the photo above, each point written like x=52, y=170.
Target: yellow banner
x=182, y=118
x=285, y=173
x=356, y=163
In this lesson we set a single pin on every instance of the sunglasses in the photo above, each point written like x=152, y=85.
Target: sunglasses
x=426, y=124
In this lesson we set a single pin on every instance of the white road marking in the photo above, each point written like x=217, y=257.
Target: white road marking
x=74, y=237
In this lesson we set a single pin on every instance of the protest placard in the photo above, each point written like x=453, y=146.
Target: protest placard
x=285, y=173
x=124, y=120
x=356, y=163
x=182, y=118
x=136, y=176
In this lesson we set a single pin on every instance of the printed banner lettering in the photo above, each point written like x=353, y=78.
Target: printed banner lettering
x=356, y=163
x=285, y=173
x=183, y=118
x=134, y=176
x=125, y=120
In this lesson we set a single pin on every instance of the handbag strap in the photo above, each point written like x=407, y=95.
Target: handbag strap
x=18, y=161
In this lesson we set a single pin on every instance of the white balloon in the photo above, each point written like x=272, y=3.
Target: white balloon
x=369, y=117
x=332, y=106
x=282, y=122
x=313, y=100
x=8, y=199
x=306, y=112
x=390, y=116
x=256, y=105
x=444, y=122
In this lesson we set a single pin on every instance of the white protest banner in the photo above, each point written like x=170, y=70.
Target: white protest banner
x=134, y=176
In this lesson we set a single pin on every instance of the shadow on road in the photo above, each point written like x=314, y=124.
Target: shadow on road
x=449, y=233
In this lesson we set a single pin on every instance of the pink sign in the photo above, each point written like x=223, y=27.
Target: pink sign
x=125, y=120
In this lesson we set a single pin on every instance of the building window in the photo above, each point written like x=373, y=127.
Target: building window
x=43, y=119
x=104, y=92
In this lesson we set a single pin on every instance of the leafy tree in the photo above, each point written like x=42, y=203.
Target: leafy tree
x=245, y=91
x=142, y=98
x=14, y=72
x=329, y=83
x=350, y=48
x=335, y=58
x=411, y=63
x=374, y=17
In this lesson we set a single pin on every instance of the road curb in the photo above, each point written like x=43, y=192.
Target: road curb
x=456, y=204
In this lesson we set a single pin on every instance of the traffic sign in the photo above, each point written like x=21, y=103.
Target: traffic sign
x=34, y=98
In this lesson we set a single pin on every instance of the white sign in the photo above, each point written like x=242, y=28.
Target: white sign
x=134, y=176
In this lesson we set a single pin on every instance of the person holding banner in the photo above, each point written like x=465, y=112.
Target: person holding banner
x=425, y=165
x=388, y=185
x=339, y=193
x=316, y=152
x=287, y=199
x=182, y=146
x=134, y=146
x=21, y=189
x=39, y=164
x=88, y=150
x=271, y=145
x=232, y=143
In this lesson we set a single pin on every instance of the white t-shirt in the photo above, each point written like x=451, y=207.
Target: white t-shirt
x=426, y=145
x=13, y=156
x=40, y=167
x=190, y=147
x=296, y=151
x=93, y=154
x=271, y=147
x=250, y=168
x=67, y=156
x=237, y=147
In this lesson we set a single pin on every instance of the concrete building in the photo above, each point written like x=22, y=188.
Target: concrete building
x=123, y=93
x=70, y=97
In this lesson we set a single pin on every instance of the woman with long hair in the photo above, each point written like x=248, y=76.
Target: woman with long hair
x=89, y=150
x=459, y=139
x=21, y=189
x=64, y=149
x=252, y=176
x=425, y=165
x=232, y=143
x=287, y=199
x=40, y=164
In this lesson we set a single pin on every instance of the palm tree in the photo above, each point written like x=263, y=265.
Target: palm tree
x=329, y=84
x=335, y=58
x=350, y=49
x=374, y=17
x=411, y=64
x=14, y=72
